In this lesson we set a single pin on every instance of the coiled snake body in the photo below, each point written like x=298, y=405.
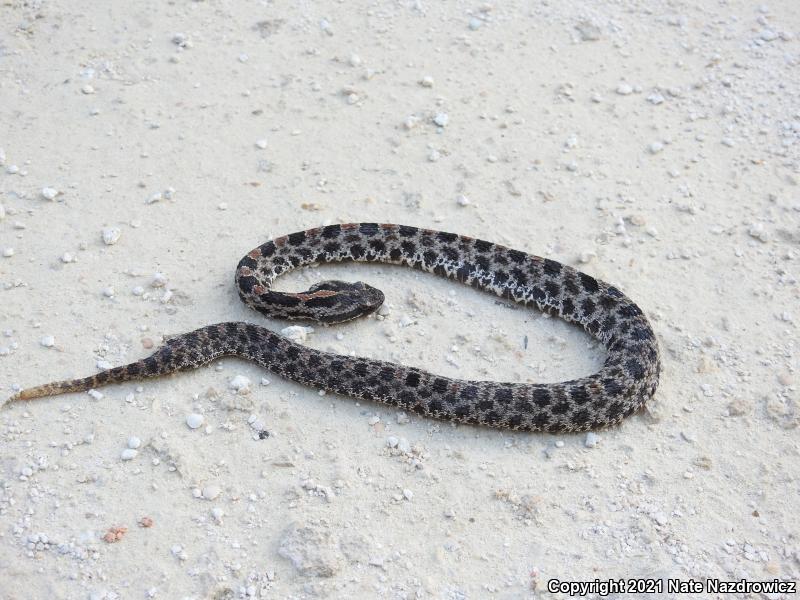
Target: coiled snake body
x=628, y=378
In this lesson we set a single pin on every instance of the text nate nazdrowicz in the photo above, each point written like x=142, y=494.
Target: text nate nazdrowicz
x=605, y=587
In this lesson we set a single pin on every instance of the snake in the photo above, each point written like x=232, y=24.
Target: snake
x=627, y=379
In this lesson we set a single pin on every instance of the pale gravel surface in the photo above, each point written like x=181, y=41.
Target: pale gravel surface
x=148, y=145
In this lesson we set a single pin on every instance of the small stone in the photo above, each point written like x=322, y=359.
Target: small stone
x=134, y=442
x=434, y=156
x=95, y=394
x=655, y=98
x=408, y=494
x=48, y=341
x=426, y=81
x=67, y=257
x=159, y=280
x=240, y=384
x=111, y=235
x=591, y=440
x=392, y=441
x=410, y=122
x=475, y=23
x=768, y=35
x=217, y=513
x=194, y=420
x=88, y=89
x=588, y=30
x=8, y=252
x=624, y=89
x=262, y=143
x=108, y=292
x=137, y=290
x=655, y=147
x=404, y=445
x=354, y=60
x=297, y=333
x=441, y=119
x=462, y=200
x=128, y=454
x=211, y=492
x=49, y=193
x=757, y=231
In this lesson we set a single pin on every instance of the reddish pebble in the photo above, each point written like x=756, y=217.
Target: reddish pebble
x=115, y=534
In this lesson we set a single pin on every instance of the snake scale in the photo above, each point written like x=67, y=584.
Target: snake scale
x=627, y=379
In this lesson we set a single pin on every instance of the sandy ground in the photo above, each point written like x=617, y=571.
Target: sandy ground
x=652, y=144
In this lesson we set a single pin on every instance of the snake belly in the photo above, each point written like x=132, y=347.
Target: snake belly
x=628, y=378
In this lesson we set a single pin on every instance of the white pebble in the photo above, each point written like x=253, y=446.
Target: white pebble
x=296, y=333
x=441, y=119
x=111, y=235
x=67, y=258
x=8, y=252
x=49, y=193
x=758, y=232
x=410, y=122
x=426, y=81
x=655, y=98
x=137, y=290
x=108, y=292
x=128, y=454
x=48, y=341
x=95, y=394
x=355, y=60
x=591, y=440
x=217, y=513
x=12, y=169
x=262, y=143
x=194, y=420
x=88, y=89
x=134, y=442
x=159, y=280
x=462, y=200
x=240, y=383
x=475, y=23
x=624, y=89
x=265, y=381
x=404, y=445
x=211, y=492
x=408, y=494
x=655, y=147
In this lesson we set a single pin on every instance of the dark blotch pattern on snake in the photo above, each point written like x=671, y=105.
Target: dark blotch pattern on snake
x=628, y=378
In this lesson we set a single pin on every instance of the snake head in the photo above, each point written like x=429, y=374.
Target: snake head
x=350, y=300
